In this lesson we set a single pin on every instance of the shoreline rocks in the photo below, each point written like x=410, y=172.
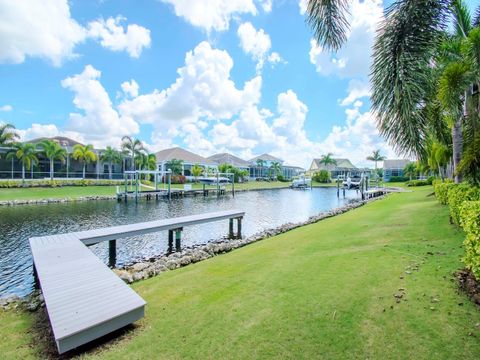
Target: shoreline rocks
x=55, y=200
x=156, y=265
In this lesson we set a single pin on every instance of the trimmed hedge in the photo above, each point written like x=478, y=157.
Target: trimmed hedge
x=429, y=181
x=398, y=179
x=441, y=191
x=457, y=195
x=470, y=221
x=10, y=184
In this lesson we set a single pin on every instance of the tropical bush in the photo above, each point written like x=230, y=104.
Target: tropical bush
x=322, y=176
x=470, y=222
x=398, y=179
x=10, y=184
x=457, y=195
x=281, y=178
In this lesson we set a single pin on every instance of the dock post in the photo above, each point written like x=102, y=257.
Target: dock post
x=338, y=188
x=170, y=186
x=178, y=239
x=239, y=228
x=204, y=192
x=218, y=186
x=170, y=241
x=344, y=191
x=112, y=253
x=36, y=283
x=233, y=185
x=231, y=235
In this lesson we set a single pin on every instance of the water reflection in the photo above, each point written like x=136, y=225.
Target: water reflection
x=264, y=209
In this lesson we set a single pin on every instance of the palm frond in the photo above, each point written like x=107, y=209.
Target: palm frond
x=476, y=17
x=328, y=19
x=402, y=70
x=462, y=20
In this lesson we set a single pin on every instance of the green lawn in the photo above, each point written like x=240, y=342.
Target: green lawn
x=73, y=192
x=320, y=291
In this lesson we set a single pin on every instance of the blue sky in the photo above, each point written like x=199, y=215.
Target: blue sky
x=241, y=76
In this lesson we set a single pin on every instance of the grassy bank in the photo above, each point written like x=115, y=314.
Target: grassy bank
x=74, y=192
x=321, y=291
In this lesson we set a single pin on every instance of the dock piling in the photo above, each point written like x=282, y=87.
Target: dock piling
x=231, y=235
x=178, y=239
x=112, y=253
x=239, y=228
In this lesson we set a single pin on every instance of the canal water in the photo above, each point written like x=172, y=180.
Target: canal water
x=264, y=209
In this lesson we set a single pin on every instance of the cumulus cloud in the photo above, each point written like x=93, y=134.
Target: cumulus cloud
x=47, y=130
x=212, y=14
x=46, y=29
x=130, y=88
x=6, y=108
x=42, y=29
x=303, y=4
x=203, y=89
x=99, y=121
x=353, y=59
x=112, y=35
x=257, y=44
x=357, y=89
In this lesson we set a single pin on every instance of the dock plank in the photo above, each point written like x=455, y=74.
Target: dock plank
x=84, y=298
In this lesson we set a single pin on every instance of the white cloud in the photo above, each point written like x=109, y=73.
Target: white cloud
x=357, y=89
x=266, y=5
x=130, y=88
x=6, y=108
x=211, y=14
x=257, y=44
x=203, y=89
x=99, y=123
x=353, y=59
x=45, y=29
x=34, y=28
x=113, y=36
x=303, y=4
x=47, y=130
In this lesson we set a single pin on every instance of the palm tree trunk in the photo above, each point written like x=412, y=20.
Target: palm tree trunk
x=110, y=170
x=457, y=141
x=23, y=172
x=51, y=169
x=84, y=164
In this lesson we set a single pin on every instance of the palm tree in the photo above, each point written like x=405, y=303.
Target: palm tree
x=328, y=160
x=261, y=165
x=276, y=168
x=112, y=156
x=85, y=154
x=8, y=135
x=133, y=147
x=410, y=170
x=403, y=78
x=196, y=171
x=376, y=157
x=176, y=166
x=26, y=153
x=53, y=151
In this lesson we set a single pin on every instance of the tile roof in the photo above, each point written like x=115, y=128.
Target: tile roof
x=226, y=158
x=182, y=154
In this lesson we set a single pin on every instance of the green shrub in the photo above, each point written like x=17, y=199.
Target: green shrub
x=470, y=221
x=441, y=191
x=398, y=179
x=457, y=195
x=418, y=183
x=322, y=176
x=10, y=184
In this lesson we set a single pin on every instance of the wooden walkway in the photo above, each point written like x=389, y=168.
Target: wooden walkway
x=84, y=298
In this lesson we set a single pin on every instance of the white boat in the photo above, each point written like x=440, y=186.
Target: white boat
x=213, y=180
x=301, y=182
x=352, y=183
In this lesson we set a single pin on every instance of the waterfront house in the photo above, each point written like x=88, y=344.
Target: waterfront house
x=343, y=167
x=226, y=158
x=187, y=157
x=394, y=168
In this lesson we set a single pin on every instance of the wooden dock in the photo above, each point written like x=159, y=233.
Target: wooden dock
x=84, y=298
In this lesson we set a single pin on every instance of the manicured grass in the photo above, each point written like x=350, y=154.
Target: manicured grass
x=71, y=192
x=320, y=291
